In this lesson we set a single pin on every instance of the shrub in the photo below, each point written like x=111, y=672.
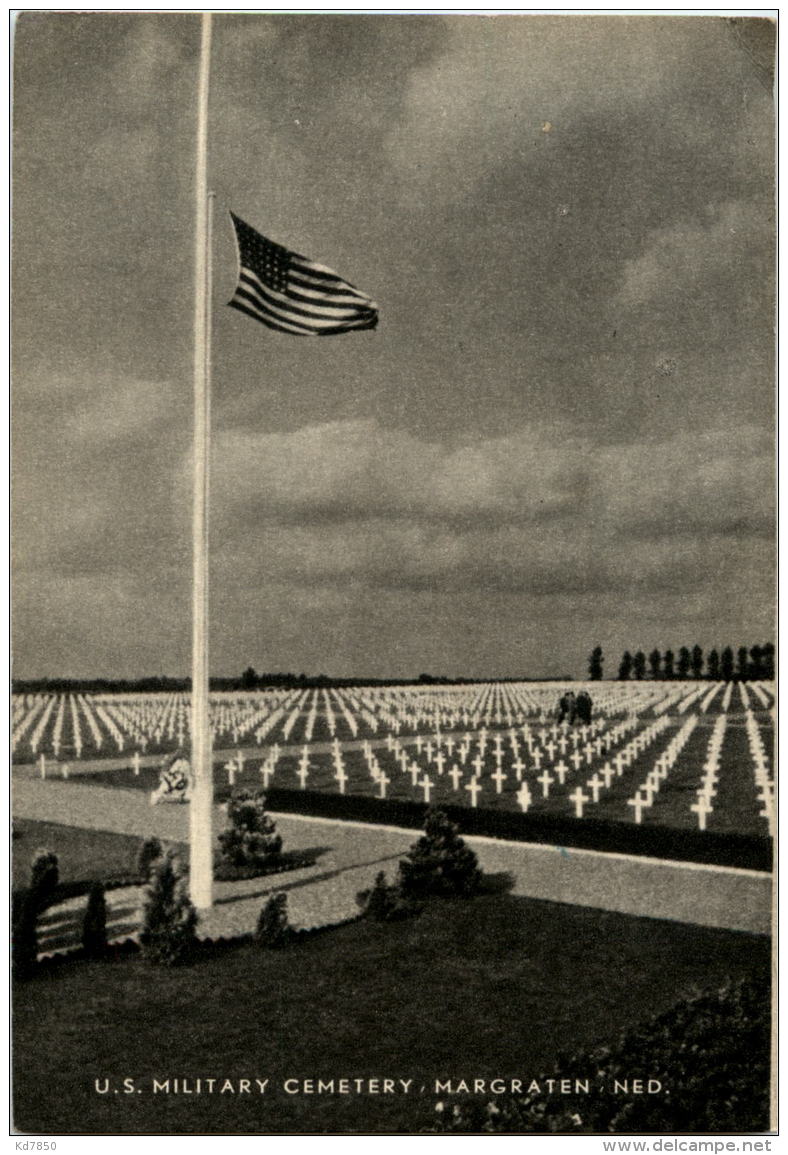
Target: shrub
x=385, y=903
x=250, y=838
x=710, y=1052
x=150, y=850
x=439, y=863
x=94, y=923
x=44, y=875
x=169, y=919
x=25, y=937
x=273, y=924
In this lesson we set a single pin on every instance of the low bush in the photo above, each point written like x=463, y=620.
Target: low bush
x=44, y=875
x=150, y=850
x=169, y=919
x=440, y=863
x=273, y=925
x=386, y=903
x=710, y=1053
x=250, y=839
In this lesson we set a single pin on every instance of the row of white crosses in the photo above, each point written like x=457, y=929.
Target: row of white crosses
x=40, y=710
x=707, y=791
x=763, y=781
x=760, y=692
x=615, y=766
x=643, y=798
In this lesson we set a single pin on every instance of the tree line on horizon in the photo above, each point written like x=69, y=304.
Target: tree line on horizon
x=755, y=663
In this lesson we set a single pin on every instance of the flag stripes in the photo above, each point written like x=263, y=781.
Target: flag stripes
x=292, y=294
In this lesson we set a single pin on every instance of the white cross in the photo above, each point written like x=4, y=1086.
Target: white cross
x=547, y=781
x=702, y=807
x=562, y=743
x=414, y=770
x=639, y=805
x=64, y=769
x=455, y=774
x=267, y=772
x=537, y=757
x=500, y=777
x=426, y=786
x=450, y=745
x=608, y=773
x=579, y=799
x=341, y=778
x=576, y=758
x=524, y=797
x=561, y=770
x=42, y=765
x=595, y=784
x=230, y=768
x=550, y=747
x=518, y=766
x=430, y=751
x=303, y=774
x=473, y=787
x=477, y=764
x=439, y=760
x=383, y=782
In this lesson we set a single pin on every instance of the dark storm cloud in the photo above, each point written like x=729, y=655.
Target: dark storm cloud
x=564, y=416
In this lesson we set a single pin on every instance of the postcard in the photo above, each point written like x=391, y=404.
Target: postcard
x=393, y=714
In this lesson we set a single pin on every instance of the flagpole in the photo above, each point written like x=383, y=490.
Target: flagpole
x=201, y=805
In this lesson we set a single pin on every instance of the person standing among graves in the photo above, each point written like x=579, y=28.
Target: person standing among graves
x=583, y=707
x=566, y=707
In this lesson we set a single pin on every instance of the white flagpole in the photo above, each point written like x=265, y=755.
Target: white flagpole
x=201, y=806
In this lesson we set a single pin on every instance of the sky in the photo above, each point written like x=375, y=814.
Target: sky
x=560, y=435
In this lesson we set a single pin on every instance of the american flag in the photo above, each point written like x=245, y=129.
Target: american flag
x=293, y=294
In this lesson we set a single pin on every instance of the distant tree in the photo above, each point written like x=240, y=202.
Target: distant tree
x=767, y=658
x=713, y=665
x=726, y=664
x=684, y=662
x=625, y=667
x=249, y=679
x=667, y=666
x=639, y=665
x=697, y=662
x=655, y=661
x=756, y=663
x=742, y=663
x=595, y=664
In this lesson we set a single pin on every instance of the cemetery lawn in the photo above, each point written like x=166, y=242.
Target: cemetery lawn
x=498, y=986
x=83, y=855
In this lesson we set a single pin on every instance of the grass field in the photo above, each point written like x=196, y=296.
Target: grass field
x=496, y=986
x=83, y=855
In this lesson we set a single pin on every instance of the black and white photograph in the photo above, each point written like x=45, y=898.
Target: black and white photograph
x=393, y=716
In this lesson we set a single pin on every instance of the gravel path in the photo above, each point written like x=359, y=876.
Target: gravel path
x=349, y=854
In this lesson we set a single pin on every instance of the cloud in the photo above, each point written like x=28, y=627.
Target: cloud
x=691, y=262
x=346, y=470
x=541, y=511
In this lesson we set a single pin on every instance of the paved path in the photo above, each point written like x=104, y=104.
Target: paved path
x=349, y=854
